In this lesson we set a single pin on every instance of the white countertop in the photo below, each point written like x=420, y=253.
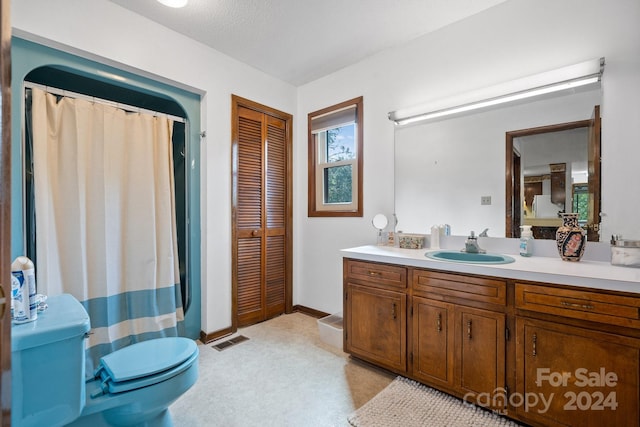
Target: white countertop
x=585, y=273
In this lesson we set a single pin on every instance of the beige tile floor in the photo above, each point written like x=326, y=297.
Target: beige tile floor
x=284, y=375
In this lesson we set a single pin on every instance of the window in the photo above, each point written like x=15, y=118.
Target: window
x=335, y=160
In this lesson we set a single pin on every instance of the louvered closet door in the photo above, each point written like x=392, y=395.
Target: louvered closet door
x=276, y=180
x=260, y=217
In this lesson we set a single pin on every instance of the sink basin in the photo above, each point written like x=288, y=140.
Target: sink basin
x=470, y=258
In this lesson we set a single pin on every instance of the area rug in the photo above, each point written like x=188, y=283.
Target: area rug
x=406, y=403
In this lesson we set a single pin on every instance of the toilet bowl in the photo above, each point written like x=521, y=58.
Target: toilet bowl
x=133, y=386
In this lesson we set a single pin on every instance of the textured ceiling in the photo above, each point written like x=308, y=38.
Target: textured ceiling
x=299, y=41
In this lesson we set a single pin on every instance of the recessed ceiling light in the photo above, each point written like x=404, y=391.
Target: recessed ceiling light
x=174, y=3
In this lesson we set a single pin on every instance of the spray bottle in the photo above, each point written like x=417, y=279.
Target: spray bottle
x=23, y=291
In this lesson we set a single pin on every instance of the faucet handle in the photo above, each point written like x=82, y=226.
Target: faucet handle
x=484, y=233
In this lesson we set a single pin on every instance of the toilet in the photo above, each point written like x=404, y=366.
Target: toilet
x=133, y=386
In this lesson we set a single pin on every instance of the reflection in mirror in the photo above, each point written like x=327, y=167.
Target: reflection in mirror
x=552, y=170
x=453, y=171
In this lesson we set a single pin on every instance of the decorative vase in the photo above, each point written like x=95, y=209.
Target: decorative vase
x=571, y=238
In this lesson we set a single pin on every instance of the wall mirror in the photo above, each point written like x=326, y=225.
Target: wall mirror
x=452, y=171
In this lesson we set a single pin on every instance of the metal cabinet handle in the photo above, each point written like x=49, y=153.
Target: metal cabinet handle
x=439, y=322
x=469, y=329
x=576, y=305
x=374, y=273
x=393, y=311
x=535, y=344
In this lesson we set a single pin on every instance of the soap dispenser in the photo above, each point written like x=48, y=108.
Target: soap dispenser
x=526, y=241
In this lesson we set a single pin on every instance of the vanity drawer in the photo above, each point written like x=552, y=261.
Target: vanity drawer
x=437, y=285
x=373, y=273
x=586, y=305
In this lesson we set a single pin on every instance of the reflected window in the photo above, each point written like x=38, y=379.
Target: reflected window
x=581, y=202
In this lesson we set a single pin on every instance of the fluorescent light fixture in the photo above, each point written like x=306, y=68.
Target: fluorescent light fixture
x=568, y=78
x=174, y=3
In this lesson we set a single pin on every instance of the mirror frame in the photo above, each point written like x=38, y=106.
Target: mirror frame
x=511, y=228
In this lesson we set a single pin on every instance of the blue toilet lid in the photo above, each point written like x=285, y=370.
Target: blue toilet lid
x=145, y=363
x=147, y=358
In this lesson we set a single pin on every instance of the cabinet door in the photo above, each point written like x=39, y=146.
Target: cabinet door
x=433, y=338
x=377, y=326
x=586, y=378
x=480, y=340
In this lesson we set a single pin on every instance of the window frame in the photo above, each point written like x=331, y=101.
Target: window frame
x=316, y=205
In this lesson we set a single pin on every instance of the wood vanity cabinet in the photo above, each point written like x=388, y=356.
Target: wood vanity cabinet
x=375, y=313
x=572, y=357
x=458, y=333
x=588, y=373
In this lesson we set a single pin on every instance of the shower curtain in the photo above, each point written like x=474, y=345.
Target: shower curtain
x=105, y=218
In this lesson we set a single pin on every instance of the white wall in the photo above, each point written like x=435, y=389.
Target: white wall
x=512, y=40
x=106, y=32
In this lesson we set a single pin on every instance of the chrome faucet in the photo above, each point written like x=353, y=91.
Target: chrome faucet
x=471, y=245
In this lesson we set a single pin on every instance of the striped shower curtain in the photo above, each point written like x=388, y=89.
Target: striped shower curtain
x=105, y=218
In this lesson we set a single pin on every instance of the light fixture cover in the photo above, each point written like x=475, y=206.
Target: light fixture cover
x=174, y=3
x=584, y=74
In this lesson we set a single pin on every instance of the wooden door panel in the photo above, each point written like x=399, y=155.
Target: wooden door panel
x=433, y=340
x=276, y=214
x=593, y=169
x=249, y=174
x=276, y=175
x=481, y=344
x=275, y=275
x=248, y=220
x=261, y=211
x=5, y=213
x=250, y=298
x=573, y=369
x=379, y=333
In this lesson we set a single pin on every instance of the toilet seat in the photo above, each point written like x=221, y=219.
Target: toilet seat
x=144, y=364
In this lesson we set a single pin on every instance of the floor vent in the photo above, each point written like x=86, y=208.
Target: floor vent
x=230, y=342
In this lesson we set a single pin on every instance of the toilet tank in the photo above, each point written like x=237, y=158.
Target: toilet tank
x=48, y=365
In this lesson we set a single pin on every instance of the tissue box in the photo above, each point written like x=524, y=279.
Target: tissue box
x=411, y=241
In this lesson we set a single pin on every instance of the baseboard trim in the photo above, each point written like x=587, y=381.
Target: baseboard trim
x=310, y=311
x=207, y=338
x=212, y=336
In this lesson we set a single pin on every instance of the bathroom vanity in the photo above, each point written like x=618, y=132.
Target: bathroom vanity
x=540, y=340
